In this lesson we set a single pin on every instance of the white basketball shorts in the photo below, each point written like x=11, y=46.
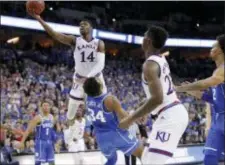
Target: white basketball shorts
x=165, y=136
x=77, y=91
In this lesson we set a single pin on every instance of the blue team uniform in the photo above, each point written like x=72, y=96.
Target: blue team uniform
x=109, y=136
x=215, y=140
x=44, y=140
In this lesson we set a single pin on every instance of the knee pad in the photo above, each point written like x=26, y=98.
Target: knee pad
x=73, y=105
x=112, y=159
x=210, y=160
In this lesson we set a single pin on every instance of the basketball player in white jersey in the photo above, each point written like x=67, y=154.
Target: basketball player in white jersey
x=89, y=56
x=161, y=100
x=77, y=143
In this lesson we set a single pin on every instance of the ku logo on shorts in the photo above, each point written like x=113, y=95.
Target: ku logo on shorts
x=162, y=136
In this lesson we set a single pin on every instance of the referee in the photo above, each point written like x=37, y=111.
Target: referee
x=134, y=130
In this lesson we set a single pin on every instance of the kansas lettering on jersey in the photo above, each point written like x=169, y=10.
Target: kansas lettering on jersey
x=100, y=118
x=169, y=95
x=44, y=131
x=86, y=56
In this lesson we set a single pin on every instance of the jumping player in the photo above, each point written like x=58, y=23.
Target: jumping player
x=89, y=57
x=105, y=112
x=215, y=140
x=44, y=135
x=161, y=100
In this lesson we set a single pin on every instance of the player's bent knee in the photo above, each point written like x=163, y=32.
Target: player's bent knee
x=210, y=160
x=73, y=105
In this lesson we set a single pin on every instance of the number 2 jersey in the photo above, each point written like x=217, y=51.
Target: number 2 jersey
x=86, y=57
x=169, y=95
x=102, y=120
x=44, y=131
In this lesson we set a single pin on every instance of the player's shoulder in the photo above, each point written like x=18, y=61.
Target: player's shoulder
x=109, y=100
x=150, y=66
x=101, y=46
x=157, y=58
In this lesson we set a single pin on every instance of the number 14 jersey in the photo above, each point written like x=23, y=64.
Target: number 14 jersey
x=169, y=95
x=86, y=56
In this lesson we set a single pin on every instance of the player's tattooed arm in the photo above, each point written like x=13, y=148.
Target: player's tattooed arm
x=215, y=79
x=151, y=73
x=113, y=104
x=62, y=38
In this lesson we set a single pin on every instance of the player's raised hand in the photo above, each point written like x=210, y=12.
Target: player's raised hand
x=33, y=14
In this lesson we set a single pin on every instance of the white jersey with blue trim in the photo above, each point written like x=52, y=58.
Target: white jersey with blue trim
x=86, y=56
x=169, y=95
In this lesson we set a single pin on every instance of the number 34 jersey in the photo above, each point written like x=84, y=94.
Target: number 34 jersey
x=86, y=56
x=169, y=95
x=44, y=131
x=102, y=120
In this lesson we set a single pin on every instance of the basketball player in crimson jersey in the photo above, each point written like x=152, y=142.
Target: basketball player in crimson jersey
x=89, y=56
x=161, y=100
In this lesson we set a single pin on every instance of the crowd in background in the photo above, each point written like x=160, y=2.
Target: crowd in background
x=113, y=16
x=29, y=77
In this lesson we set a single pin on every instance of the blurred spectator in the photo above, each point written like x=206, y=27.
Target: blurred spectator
x=6, y=157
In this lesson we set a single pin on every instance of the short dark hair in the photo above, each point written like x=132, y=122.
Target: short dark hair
x=221, y=41
x=87, y=20
x=158, y=36
x=92, y=87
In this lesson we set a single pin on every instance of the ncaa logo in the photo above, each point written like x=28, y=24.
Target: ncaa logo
x=162, y=136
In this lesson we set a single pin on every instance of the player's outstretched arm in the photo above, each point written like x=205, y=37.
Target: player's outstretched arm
x=151, y=72
x=196, y=94
x=33, y=123
x=215, y=79
x=64, y=39
x=113, y=105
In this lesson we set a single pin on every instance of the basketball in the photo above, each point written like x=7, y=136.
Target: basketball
x=36, y=6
